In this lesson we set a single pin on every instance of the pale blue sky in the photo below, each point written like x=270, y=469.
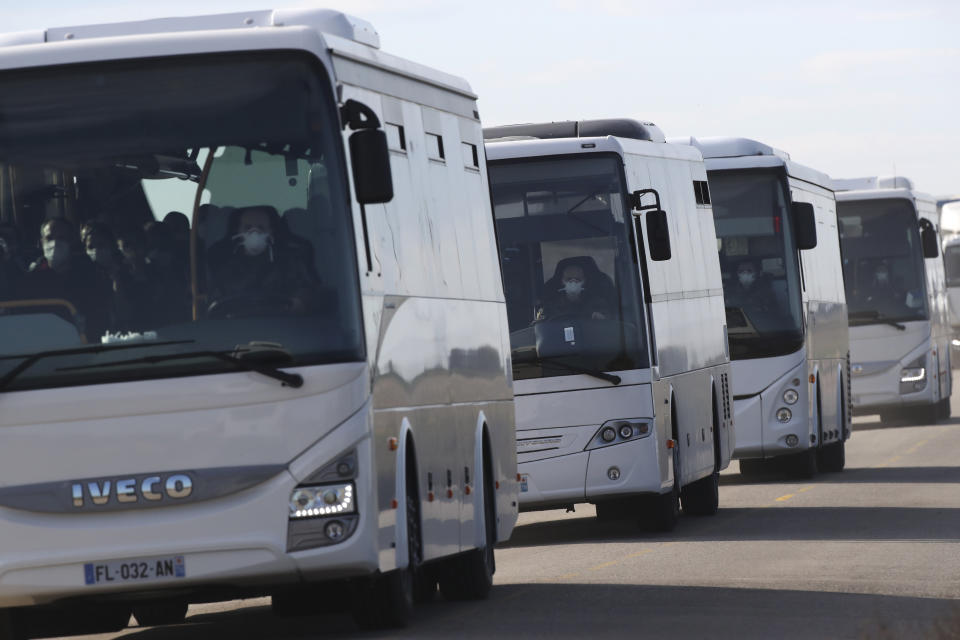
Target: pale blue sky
x=850, y=88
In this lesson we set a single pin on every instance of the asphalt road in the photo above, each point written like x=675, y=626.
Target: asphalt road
x=870, y=553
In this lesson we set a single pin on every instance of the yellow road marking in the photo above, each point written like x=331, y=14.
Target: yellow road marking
x=914, y=448
x=635, y=554
x=791, y=495
x=889, y=462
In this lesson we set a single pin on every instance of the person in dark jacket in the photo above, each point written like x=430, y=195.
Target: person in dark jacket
x=259, y=269
x=578, y=288
x=66, y=273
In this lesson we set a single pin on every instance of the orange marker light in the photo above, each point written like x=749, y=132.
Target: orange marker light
x=813, y=378
x=393, y=443
x=466, y=489
x=394, y=503
x=430, y=497
x=519, y=478
x=671, y=444
x=449, y=493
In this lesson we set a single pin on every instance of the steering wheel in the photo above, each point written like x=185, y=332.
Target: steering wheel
x=250, y=304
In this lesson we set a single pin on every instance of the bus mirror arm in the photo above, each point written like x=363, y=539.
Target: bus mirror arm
x=658, y=231
x=928, y=239
x=369, y=154
x=804, y=225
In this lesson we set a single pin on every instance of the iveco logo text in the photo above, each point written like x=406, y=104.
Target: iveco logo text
x=130, y=490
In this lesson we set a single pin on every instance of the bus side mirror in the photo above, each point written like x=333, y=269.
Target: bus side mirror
x=370, y=160
x=658, y=235
x=928, y=238
x=804, y=225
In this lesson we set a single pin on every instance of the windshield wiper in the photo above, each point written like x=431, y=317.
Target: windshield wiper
x=596, y=373
x=875, y=315
x=29, y=359
x=294, y=380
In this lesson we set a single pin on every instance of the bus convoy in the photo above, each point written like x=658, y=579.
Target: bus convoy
x=281, y=318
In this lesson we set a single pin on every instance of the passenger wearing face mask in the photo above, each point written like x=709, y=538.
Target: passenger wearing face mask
x=257, y=269
x=751, y=291
x=578, y=288
x=66, y=273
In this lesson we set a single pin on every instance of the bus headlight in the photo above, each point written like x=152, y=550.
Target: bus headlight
x=614, y=432
x=913, y=377
x=784, y=414
x=790, y=396
x=323, y=500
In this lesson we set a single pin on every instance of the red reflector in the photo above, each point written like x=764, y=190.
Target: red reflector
x=394, y=503
x=449, y=493
x=466, y=489
x=430, y=497
x=776, y=224
x=671, y=444
x=393, y=443
x=496, y=485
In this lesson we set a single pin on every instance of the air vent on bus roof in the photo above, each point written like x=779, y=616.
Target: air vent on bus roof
x=617, y=127
x=323, y=20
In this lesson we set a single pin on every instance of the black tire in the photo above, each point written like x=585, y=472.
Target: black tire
x=893, y=418
x=702, y=498
x=386, y=602
x=664, y=511
x=469, y=576
x=160, y=613
x=943, y=409
x=832, y=457
x=925, y=414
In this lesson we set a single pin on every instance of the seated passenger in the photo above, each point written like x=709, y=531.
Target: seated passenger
x=256, y=264
x=751, y=291
x=65, y=273
x=578, y=288
x=101, y=247
x=152, y=288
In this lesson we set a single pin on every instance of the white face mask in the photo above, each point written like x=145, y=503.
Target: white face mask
x=254, y=241
x=57, y=252
x=572, y=288
x=746, y=279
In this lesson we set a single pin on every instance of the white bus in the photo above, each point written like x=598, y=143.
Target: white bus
x=950, y=237
x=899, y=325
x=243, y=359
x=786, y=311
x=615, y=309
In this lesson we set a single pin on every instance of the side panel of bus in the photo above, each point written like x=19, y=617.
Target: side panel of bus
x=688, y=319
x=827, y=334
x=437, y=334
x=939, y=309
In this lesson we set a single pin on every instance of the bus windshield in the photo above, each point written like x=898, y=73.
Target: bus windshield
x=883, y=268
x=758, y=262
x=190, y=205
x=569, y=268
x=951, y=263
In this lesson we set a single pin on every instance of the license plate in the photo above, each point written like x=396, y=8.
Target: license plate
x=138, y=570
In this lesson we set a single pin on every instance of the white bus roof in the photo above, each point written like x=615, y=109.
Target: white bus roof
x=617, y=135
x=344, y=34
x=877, y=188
x=722, y=153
